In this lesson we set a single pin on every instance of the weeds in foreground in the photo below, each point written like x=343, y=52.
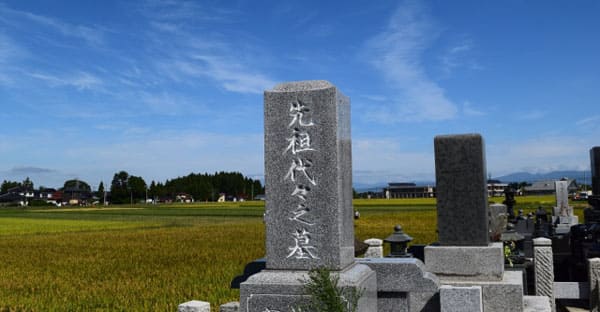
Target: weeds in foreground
x=326, y=295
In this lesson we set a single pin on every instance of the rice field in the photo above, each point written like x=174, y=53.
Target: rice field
x=152, y=258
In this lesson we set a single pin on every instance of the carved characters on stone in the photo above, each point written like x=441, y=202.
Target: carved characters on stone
x=300, y=174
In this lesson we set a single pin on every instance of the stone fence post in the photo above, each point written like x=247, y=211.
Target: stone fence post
x=544, y=269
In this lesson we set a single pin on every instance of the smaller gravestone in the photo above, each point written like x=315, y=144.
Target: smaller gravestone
x=498, y=221
x=460, y=173
x=563, y=213
x=562, y=199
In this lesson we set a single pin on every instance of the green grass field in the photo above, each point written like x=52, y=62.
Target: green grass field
x=151, y=258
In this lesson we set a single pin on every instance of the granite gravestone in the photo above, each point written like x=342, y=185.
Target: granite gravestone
x=308, y=171
x=465, y=257
x=309, y=215
x=460, y=173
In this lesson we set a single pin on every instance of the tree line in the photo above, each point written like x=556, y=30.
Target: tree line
x=127, y=188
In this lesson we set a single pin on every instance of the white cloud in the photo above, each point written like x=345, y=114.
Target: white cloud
x=80, y=80
x=588, y=121
x=540, y=154
x=211, y=55
x=397, y=54
x=384, y=160
x=471, y=111
x=531, y=115
x=91, y=35
x=457, y=56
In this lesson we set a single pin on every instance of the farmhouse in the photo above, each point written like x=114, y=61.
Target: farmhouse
x=408, y=190
x=547, y=187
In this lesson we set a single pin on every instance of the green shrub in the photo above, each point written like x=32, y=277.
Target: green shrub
x=326, y=295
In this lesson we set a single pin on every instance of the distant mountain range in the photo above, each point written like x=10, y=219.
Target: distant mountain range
x=580, y=176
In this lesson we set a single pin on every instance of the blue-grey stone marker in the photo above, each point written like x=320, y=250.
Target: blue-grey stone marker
x=461, y=189
x=308, y=167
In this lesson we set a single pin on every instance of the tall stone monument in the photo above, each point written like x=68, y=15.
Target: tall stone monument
x=309, y=215
x=461, y=190
x=465, y=256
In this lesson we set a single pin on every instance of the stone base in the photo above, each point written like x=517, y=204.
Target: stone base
x=460, y=299
x=505, y=295
x=536, y=304
x=404, y=285
x=281, y=290
x=469, y=263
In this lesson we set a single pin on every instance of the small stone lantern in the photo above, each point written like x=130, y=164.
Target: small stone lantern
x=398, y=243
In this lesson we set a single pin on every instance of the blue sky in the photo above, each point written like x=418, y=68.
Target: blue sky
x=164, y=88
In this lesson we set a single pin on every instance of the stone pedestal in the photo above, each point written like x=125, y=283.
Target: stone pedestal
x=280, y=291
x=474, y=263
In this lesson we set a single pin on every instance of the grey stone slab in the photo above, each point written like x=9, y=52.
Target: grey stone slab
x=401, y=275
x=194, y=306
x=571, y=290
x=460, y=299
x=281, y=290
x=536, y=304
x=461, y=190
x=498, y=296
x=308, y=167
x=466, y=262
x=404, y=282
x=595, y=166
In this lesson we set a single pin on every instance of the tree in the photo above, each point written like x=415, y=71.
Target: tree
x=28, y=184
x=6, y=185
x=119, y=192
x=137, y=188
x=101, y=191
x=77, y=185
